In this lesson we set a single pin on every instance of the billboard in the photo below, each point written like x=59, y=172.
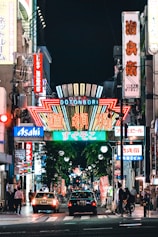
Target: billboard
x=131, y=55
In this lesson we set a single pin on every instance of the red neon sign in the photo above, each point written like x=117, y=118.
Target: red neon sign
x=28, y=148
x=45, y=111
x=38, y=72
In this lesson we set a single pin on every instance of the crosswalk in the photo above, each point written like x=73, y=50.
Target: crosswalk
x=41, y=218
x=85, y=217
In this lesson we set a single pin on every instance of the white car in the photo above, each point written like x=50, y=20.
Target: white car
x=45, y=201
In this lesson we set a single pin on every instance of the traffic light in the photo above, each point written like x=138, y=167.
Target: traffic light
x=3, y=118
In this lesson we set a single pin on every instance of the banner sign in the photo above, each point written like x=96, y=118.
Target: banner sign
x=38, y=72
x=130, y=152
x=131, y=54
x=28, y=148
x=8, y=31
x=152, y=26
x=132, y=131
x=79, y=136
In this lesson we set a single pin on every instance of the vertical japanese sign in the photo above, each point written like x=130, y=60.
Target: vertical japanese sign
x=8, y=30
x=131, y=55
x=28, y=147
x=38, y=72
x=152, y=26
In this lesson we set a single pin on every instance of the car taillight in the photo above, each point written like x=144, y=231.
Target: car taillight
x=93, y=204
x=69, y=204
x=54, y=202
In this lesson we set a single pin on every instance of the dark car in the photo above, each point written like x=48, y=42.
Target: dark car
x=82, y=201
x=45, y=201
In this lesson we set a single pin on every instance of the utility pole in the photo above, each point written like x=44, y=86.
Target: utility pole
x=121, y=138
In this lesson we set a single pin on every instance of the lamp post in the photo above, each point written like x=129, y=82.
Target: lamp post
x=104, y=149
x=121, y=139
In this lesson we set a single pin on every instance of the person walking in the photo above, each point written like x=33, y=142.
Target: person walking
x=134, y=194
x=18, y=197
x=128, y=201
x=120, y=199
x=30, y=196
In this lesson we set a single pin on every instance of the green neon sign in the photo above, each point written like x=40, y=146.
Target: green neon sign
x=79, y=136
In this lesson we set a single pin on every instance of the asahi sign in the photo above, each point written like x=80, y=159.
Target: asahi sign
x=38, y=72
x=28, y=131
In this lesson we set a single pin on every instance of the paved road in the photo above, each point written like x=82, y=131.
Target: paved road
x=27, y=216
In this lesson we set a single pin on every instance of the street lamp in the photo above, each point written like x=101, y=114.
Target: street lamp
x=104, y=149
x=66, y=159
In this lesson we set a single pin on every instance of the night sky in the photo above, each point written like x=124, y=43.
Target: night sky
x=80, y=36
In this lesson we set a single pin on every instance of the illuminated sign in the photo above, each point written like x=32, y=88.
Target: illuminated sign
x=79, y=136
x=28, y=148
x=8, y=30
x=28, y=131
x=132, y=131
x=152, y=26
x=73, y=101
x=130, y=158
x=80, y=121
x=53, y=116
x=130, y=152
x=131, y=54
x=38, y=72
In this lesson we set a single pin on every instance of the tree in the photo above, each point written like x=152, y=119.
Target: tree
x=55, y=163
x=91, y=153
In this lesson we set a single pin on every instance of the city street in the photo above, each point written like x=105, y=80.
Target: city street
x=27, y=216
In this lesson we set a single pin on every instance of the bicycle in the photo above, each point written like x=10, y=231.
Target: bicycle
x=125, y=210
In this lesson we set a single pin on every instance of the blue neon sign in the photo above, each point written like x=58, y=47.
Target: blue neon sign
x=130, y=158
x=28, y=131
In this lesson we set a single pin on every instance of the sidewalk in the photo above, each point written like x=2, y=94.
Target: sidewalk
x=139, y=212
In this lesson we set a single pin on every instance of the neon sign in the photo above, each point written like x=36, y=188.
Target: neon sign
x=73, y=101
x=28, y=131
x=54, y=116
x=38, y=72
x=79, y=136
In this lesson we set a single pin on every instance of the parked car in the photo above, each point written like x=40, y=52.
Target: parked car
x=45, y=201
x=82, y=201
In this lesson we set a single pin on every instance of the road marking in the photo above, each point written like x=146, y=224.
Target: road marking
x=53, y=218
x=98, y=228
x=112, y=216
x=85, y=217
x=68, y=218
x=102, y=216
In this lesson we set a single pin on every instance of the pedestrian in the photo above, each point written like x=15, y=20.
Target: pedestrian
x=18, y=197
x=134, y=194
x=30, y=196
x=9, y=199
x=128, y=201
x=120, y=199
x=146, y=203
